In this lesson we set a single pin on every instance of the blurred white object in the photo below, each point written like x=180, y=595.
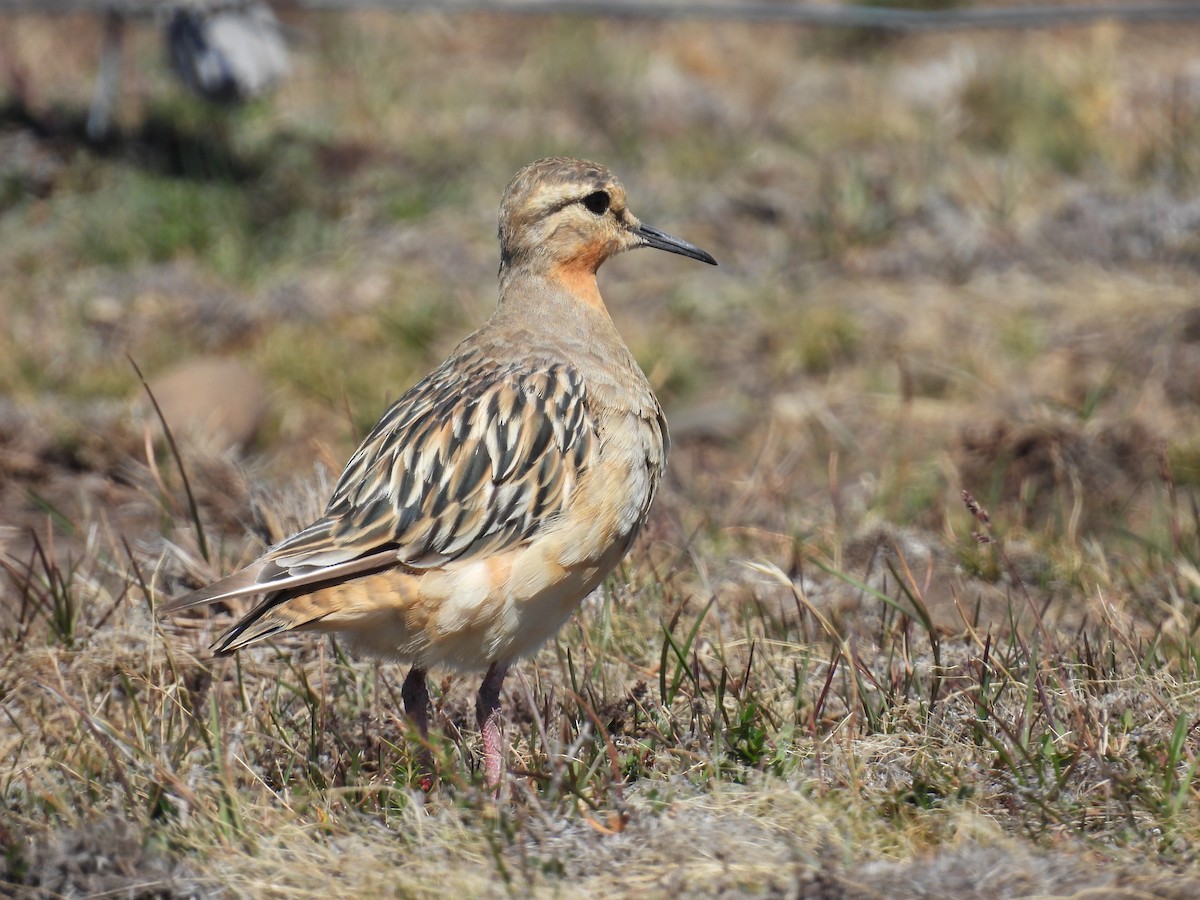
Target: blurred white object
x=227, y=55
x=104, y=96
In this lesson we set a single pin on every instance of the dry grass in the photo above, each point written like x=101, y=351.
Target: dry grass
x=948, y=264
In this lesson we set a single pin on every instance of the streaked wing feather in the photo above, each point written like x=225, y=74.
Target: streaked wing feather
x=471, y=461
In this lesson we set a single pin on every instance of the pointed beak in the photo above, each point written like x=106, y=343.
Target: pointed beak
x=660, y=240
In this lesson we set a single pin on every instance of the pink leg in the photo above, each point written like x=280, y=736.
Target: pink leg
x=491, y=722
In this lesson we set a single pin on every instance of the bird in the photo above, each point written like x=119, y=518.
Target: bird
x=227, y=54
x=498, y=492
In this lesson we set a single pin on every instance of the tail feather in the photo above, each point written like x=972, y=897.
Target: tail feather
x=264, y=576
x=365, y=608
x=262, y=622
x=292, y=600
x=241, y=583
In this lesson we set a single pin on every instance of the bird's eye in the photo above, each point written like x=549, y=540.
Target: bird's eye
x=597, y=203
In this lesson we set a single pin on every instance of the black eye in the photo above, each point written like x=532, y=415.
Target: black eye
x=597, y=203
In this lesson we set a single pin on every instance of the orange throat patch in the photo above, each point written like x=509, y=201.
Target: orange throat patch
x=578, y=277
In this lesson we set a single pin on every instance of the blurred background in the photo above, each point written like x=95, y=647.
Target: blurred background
x=951, y=259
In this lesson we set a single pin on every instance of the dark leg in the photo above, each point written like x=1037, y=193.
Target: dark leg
x=491, y=722
x=415, y=695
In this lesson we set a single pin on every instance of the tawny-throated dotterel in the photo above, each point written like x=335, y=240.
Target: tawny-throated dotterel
x=493, y=496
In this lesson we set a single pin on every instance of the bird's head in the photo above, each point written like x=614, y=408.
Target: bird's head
x=571, y=215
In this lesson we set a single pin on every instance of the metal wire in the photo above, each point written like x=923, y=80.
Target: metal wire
x=844, y=16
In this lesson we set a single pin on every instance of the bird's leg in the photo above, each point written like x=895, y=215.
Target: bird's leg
x=415, y=695
x=491, y=724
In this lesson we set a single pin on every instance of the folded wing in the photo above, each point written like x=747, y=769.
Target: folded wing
x=470, y=462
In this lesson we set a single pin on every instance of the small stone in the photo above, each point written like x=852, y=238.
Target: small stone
x=219, y=402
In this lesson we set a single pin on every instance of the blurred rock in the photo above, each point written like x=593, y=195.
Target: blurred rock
x=126, y=310
x=211, y=401
x=1152, y=227
x=1182, y=380
x=1043, y=469
x=711, y=420
x=105, y=857
x=28, y=166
